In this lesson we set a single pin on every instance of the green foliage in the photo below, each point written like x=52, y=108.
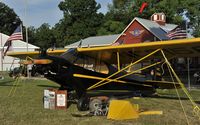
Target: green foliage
x=197, y=31
x=80, y=20
x=119, y=11
x=111, y=27
x=31, y=35
x=193, y=13
x=174, y=10
x=8, y=19
x=44, y=36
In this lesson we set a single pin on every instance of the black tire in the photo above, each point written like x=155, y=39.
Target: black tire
x=83, y=104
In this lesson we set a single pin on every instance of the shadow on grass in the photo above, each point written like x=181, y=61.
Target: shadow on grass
x=48, y=86
x=11, y=85
x=69, y=103
x=5, y=83
x=198, y=102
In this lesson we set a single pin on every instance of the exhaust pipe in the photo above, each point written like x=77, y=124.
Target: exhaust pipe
x=42, y=61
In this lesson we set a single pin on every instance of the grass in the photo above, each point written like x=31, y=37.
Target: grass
x=25, y=107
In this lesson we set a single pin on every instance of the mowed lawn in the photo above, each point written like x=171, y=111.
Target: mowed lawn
x=25, y=107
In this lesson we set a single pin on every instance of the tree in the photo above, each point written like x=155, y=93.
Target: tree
x=174, y=10
x=31, y=35
x=44, y=36
x=80, y=20
x=119, y=11
x=8, y=19
x=192, y=12
x=111, y=27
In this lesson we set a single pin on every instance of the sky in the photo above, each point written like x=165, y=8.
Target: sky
x=36, y=12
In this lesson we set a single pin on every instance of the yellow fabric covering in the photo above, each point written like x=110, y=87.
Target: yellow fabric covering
x=122, y=110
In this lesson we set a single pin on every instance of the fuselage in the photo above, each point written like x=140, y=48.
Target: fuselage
x=62, y=72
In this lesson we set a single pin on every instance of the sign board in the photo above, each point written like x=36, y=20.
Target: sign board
x=55, y=99
x=46, y=99
x=61, y=99
x=52, y=96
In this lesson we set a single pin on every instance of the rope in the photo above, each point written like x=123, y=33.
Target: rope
x=196, y=108
x=15, y=84
x=178, y=95
x=13, y=89
x=23, y=81
x=163, y=71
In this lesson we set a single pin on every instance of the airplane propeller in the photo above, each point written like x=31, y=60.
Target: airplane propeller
x=43, y=52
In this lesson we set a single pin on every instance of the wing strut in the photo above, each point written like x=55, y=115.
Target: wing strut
x=146, y=67
x=106, y=79
x=111, y=80
x=118, y=60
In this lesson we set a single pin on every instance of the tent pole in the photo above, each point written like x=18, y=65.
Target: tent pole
x=188, y=67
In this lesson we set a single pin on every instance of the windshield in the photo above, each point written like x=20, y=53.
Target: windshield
x=85, y=61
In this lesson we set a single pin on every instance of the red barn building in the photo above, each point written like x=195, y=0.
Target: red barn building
x=142, y=30
x=139, y=30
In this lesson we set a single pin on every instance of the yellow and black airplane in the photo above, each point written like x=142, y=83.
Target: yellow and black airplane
x=107, y=71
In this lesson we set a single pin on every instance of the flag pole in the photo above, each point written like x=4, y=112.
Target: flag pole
x=26, y=2
x=1, y=54
x=188, y=63
x=26, y=20
x=2, y=49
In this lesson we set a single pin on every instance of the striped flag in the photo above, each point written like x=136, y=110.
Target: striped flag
x=178, y=33
x=17, y=35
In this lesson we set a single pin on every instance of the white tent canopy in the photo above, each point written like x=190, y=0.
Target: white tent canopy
x=17, y=46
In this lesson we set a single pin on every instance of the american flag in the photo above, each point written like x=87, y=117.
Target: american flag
x=17, y=35
x=178, y=33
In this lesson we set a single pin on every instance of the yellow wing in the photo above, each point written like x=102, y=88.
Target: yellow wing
x=128, y=52
x=34, y=54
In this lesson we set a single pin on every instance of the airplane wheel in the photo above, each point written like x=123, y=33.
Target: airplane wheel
x=83, y=104
x=95, y=104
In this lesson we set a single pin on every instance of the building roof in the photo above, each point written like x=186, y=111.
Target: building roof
x=16, y=44
x=95, y=41
x=168, y=27
x=157, y=30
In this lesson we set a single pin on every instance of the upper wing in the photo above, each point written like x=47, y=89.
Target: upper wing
x=34, y=54
x=129, y=52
